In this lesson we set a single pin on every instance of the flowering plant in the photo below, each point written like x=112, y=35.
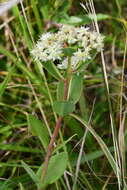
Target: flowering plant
x=71, y=47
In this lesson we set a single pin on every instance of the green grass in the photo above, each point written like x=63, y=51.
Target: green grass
x=94, y=137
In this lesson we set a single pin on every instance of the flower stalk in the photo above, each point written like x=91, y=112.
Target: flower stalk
x=58, y=124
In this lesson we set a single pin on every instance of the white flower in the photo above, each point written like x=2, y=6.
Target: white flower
x=46, y=36
x=81, y=32
x=64, y=64
x=93, y=36
x=84, y=41
x=54, y=52
x=99, y=41
x=50, y=45
x=80, y=56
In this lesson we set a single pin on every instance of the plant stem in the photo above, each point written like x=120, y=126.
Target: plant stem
x=57, y=127
x=50, y=147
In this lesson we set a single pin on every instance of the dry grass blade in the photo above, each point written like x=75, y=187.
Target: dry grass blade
x=114, y=135
x=122, y=118
x=81, y=150
x=101, y=143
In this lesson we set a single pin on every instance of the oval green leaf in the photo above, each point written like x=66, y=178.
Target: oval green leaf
x=68, y=51
x=52, y=69
x=38, y=129
x=56, y=168
x=63, y=108
x=60, y=91
x=75, y=88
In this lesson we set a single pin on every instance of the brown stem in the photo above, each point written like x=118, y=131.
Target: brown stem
x=50, y=147
x=66, y=84
x=58, y=123
x=55, y=133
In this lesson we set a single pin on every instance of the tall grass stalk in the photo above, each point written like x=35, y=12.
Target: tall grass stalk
x=122, y=119
x=114, y=134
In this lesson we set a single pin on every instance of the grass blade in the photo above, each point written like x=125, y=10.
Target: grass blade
x=100, y=142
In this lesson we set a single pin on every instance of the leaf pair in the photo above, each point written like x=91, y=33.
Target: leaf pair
x=62, y=107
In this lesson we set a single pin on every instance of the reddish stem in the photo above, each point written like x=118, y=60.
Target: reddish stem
x=50, y=147
x=55, y=133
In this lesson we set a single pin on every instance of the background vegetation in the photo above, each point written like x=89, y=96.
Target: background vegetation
x=27, y=89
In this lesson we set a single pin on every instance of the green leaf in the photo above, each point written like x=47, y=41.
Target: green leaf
x=68, y=51
x=38, y=129
x=75, y=127
x=63, y=108
x=37, y=15
x=93, y=155
x=56, y=168
x=4, y=185
x=21, y=186
x=52, y=69
x=44, y=8
x=23, y=26
x=31, y=173
x=7, y=53
x=60, y=90
x=24, y=69
x=100, y=16
x=75, y=88
x=5, y=82
x=83, y=19
x=76, y=20
x=64, y=8
x=18, y=148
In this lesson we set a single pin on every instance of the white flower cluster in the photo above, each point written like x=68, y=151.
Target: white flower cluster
x=50, y=45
